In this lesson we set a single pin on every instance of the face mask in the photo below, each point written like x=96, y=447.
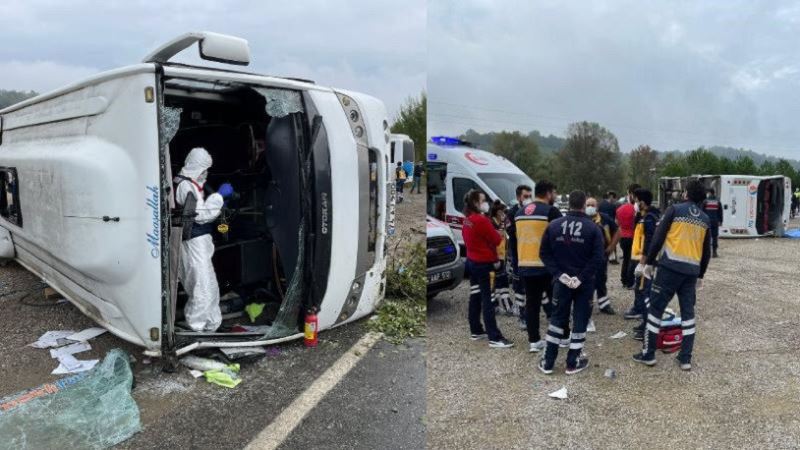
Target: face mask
x=591, y=211
x=636, y=207
x=201, y=179
x=485, y=207
x=527, y=201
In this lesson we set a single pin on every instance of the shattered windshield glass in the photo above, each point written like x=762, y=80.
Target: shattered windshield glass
x=170, y=122
x=281, y=102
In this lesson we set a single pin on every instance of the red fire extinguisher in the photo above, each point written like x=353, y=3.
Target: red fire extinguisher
x=311, y=328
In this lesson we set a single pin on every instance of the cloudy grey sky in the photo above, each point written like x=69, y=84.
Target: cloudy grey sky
x=674, y=75
x=372, y=46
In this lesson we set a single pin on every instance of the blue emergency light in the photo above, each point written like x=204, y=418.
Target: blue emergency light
x=444, y=140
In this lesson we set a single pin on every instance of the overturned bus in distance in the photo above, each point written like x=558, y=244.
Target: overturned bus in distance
x=88, y=205
x=752, y=205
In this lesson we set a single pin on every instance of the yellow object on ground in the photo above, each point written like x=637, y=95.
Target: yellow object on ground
x=254, y=310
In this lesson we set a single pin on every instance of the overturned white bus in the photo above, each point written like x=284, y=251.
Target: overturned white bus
x=751, y=205
x=87, y=200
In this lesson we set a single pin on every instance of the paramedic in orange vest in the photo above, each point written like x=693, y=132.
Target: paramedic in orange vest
x=530, y=223
x=481, y=241
x=681, y=246
x=610, y=232
x=713, y=209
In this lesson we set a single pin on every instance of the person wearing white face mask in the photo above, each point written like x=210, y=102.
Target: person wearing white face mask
x=481, y=240
x=610, y=232
x=524, y=198
x=196, y=272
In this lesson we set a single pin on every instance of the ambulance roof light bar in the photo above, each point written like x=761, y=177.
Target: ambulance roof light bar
x=450, y=141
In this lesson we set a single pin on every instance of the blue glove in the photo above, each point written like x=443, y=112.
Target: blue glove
x=226, y=190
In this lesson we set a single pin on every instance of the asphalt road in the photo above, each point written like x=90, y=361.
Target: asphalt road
x=741, y=393
x=380, y=403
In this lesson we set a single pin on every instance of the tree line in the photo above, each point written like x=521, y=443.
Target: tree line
x=589, y=158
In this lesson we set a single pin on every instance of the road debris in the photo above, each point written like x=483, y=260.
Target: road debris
x=91, y=410
x=610, y=373
x=52, y=338
x=618, y=335
x=70, y=349
x=242, y=352
x=86, y=334
x=560, y=394
x=70, y=364
x=222, y=374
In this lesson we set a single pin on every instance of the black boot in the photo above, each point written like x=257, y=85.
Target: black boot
x=715, y=255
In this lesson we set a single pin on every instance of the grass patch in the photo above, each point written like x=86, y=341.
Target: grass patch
x=402, y=315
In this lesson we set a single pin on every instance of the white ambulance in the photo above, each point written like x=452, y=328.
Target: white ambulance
x=87, y=195
x=752, y=205
x=454, y=167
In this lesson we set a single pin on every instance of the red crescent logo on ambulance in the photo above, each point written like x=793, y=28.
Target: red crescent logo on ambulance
x=476, y=159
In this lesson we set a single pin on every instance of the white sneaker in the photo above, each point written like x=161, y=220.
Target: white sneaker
x=536, y=347
x=590, y=328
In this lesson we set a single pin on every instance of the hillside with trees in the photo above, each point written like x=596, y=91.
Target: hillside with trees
x=589, y=158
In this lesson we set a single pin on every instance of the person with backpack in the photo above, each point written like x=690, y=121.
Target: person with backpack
x=572, y=250
x=681, y=247
x=400, y=180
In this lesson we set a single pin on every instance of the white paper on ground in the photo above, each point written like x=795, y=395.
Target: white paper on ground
x=559, y=394
x=619, y=335
x=196, y=373
x=50, y=339
x=70, y=349
x=86, y=334
x=68, y=364
x=83, y=367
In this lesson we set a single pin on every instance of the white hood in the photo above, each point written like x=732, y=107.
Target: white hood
x=197, y=161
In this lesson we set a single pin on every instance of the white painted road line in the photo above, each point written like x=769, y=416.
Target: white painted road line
x=276, y=432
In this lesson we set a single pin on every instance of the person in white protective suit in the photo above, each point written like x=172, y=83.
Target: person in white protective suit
x=196, y=272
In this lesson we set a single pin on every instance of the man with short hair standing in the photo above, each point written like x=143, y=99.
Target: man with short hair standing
x=572, y=250
x=681, y=246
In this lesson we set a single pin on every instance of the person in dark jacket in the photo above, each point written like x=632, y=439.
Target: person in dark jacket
x=609, y=207
x=610, y=232
x=647, y=221
x=681, y=247
x=524, y=198
x=531, y=222
x=713, y=209
x=572, y=250
x=417, y=183
x=481, y=240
